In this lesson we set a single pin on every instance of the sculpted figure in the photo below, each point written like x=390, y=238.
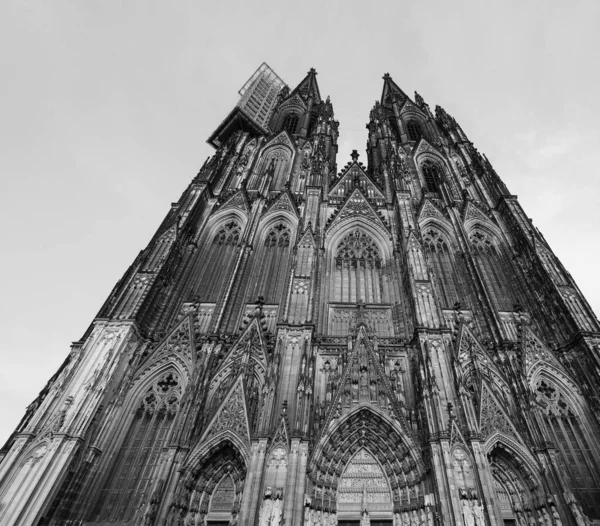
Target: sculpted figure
x=478, y=513
x=467, y=514
x=579, y=518
x=405, y=518
x=422, y=518
x=429, y=516
x=556, y=516
x=530, y=519
x=276, y=513
x=397, y=520
x=414, y=518
x=307, y=516
x=364, y=520
x=265, y=513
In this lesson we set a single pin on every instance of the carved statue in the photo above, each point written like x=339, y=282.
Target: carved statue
x=547, y=520
x=307, y=516
x=429, y=516
x=364, y=520
x=422, y=517
x=397, y=519
x=478, y=513
x=414, y=518
x=530, y=519
x=265, y=513
x=579, y=517
x=556, y=516
x=276, y=513
x=467, y=513
x=405, y=518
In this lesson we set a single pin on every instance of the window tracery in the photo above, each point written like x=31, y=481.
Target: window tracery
x=493, y=269
x=443, y=266
x=137, y=458
x=270, y=267
x=358, y=269
x=576, y=457
x=431, y=176
x=414, y=129
x=216, y=260
x=290, y=123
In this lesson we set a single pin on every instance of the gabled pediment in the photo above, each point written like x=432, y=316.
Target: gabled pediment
x=284, y=203
x=357, y=206
x=409, y=107
x=429, y=210
x=251, y=342
x=424, y=146
x=307, y=239
x=237, y=201
x=492, y=416
x=473, y=212
x=281, y=139
x=536, y=355
x=349, y=174
x=390, y=90
x=232, y=415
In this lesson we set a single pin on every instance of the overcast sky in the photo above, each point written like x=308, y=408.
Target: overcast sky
x=105, y=108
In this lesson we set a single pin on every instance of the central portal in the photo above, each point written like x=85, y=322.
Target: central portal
x=363, y=485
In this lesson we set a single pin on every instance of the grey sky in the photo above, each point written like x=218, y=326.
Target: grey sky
x=106, y=107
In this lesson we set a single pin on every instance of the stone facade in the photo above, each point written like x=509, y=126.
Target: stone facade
x=299, y=345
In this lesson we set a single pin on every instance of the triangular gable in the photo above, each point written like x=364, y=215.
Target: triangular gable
x=250, y=341
x=492, y=417
x=170, y=234
x=293, y=100
x=283, y=139
x=357, y=206
x=413, y=242
x=428, y=209
x=351, y=171
x=362, y=353
x=472, y=212
x=469, y=350
x=283, y=202
x=307, y=239
x=424, y=146
x=408, y=107
x=237, y=201
x=282, y=435
x=537, y=354
x=232, y=415
x=176, y=346
x=456, y=436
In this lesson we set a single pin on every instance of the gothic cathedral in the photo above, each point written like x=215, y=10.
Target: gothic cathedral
x=302, y=344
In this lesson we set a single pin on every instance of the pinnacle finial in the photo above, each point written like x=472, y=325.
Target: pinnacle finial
x=387, y=76
x=312, y=71
x=354, y=155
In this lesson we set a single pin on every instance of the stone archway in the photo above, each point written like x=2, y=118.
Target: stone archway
x=364, y=485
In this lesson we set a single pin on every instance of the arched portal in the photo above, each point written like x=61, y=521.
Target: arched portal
x=363, y=485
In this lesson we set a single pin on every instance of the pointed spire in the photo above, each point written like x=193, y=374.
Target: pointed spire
x=309, y=87
x=390, y=90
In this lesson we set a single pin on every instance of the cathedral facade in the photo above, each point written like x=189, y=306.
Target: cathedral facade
x=300, y=344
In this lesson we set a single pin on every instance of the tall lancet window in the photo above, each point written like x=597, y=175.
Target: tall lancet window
x=136, y=460
x=431, y=176
x=271, y=265
x=358, y=270
x=217, y=260
x=290, y=123
x=493, y=268
x=414, y=130
x=444, y=269
x=576, y=457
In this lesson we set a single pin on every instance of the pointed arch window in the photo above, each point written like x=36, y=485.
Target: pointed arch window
x=217, y=260
x=415, y=132
x=493, y=268
x=358, y=270
x=443, y=267
x=136, y=460
x=271, y=265
x=576, y=456
x=290, y=123
x=431, y=176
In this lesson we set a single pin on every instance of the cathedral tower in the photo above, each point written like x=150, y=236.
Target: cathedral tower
x=391, y=344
